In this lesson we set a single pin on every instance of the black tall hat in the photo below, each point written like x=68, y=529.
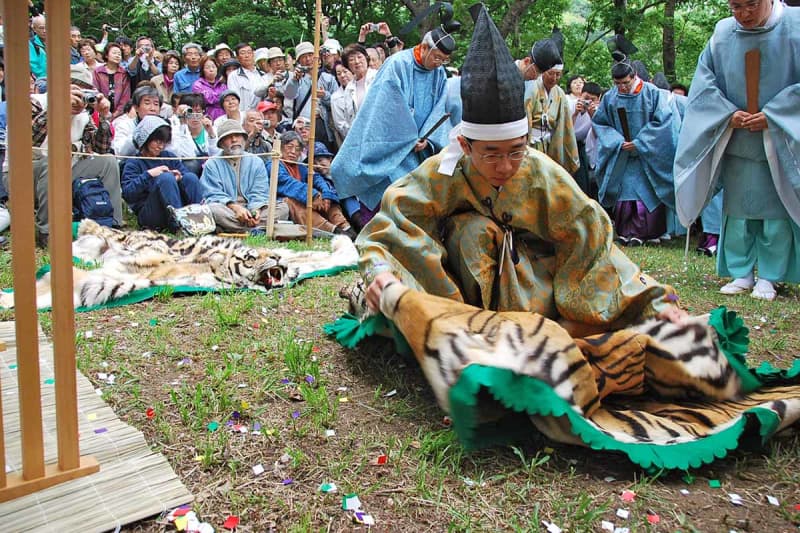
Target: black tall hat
x=492, y=90
x=442, y=34
x=545, y=54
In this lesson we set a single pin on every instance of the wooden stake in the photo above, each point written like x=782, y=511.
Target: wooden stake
x=273, y=186
x=623, y=122
x=313, y=129
x=59, y=166
x=23, y=264
x=752, y=73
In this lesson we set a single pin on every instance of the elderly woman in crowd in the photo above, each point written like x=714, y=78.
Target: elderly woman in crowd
x=152, y=187
x=292, y=184
x=342, y=108
x=211, y=86
x=86, y=47
x=230, y=107
x=165, y=82
x=112, y=80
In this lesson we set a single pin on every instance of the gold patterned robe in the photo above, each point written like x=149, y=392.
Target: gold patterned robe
x=559, y=142
x=446, y=235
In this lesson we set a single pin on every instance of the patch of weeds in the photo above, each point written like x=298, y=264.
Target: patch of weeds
x=229, y=307
x=320, y=406
x=198, y=404
x=297, y=357
x=211, y=450
x=580, y=513
x=164, y=293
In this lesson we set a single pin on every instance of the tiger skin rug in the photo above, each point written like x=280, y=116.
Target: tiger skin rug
x=120, y=263
x=666, y=395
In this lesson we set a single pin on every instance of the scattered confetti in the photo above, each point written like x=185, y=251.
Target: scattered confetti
x=199, y=458
x=150, y=413
x=12, y=366
x=390, y=393
x=49, y=381
x=609, y=479
x=714, y=483
x=797, y=507
x=244, y=405
x=381, y=459
x=363, y=518
x=623, y=513
x=551, y=527
x=287, y=481
x=685, y=492
x=330, y=433
x=548, y=450
x=328, y=488
x=735, y=498
x=213, y=426
x=286, y=381
x=605, y=525
x=214, y=348
x=91, y=416
x=622, y=530
x=341, y=389
x=773, y=501
x=350, y=502
x=99, y=392
x=147, y=355
x=258, y=470
x=309, y=379
x=88, y=334
x=295, y=414
x=628, y=495
x=101, y=430
x=653, y=518
x=231, y=522
x=343, y=399
x=181, y=523
x=153, y=322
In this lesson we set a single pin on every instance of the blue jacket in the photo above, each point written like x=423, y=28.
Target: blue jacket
x=184, y=79
x=137, y=183
x=291, y=188
x=219, y=182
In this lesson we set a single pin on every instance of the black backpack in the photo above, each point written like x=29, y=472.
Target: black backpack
x=90, y=199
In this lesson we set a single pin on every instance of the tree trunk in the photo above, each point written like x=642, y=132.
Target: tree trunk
x=620, y=6
x=668, y=40
x=516, y=11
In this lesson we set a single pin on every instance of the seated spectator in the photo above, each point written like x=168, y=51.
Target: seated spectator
x=230, y=105
x=36, y=47
x=285, y=121
x=195, y=136
x=146, y=101
x=143, y=66
x=165, y=82
x=237, y=188
x=211, y=86
x=292, y=180
x=86, y=137
x=86, y=47
x=302, y=127
x=222, y=53
x=322, y=166
x=257, y=141
x=190, y=73
x=152, y=186
x=227, y=67
x=113, y=81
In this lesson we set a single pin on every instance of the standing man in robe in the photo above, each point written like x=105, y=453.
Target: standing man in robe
x=635, y=174
x=550, y=119
x=754, y=156
x=408, y=96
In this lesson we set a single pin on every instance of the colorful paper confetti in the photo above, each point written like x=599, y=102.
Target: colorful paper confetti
x=350, y=502
x=363, y=518
x=258, y=470
x=150, y=413
x=714, y=483
x=231, y=522
x=213, y=426
x=328, y=488
x=628, y=496
x=623, y=513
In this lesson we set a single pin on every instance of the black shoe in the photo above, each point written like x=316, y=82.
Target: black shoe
x=356, y=221
x=351, y=234
x=42, y=240
x=635, y=241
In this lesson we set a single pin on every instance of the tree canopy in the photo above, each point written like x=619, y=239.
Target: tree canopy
x=670, y=34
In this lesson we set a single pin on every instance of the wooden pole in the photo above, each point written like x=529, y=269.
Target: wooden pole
x=23, y=264
x=313, y=129
x=273, y=186
x=59, y=168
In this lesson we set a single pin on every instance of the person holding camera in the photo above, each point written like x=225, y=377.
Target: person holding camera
x=194, y=136
x=90, y=132
x=585, y=107
x=299, y=88
x=142, y=66
x=113, y=81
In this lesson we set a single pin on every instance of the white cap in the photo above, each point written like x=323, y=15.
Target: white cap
x=304, y=48
x=262, y=53
x=332, y=45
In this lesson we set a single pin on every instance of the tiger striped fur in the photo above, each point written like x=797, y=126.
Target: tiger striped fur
x=656, y=382
x=129, y=261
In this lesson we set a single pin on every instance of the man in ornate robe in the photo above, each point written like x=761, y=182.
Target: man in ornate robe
x=408, y=96
x=754, y=156
x=635, y=174
x=550, y=119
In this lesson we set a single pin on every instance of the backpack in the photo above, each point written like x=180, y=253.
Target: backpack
x=90, y=199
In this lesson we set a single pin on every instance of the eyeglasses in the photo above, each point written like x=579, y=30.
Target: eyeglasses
x=440, y=60
x=749, y=7
x=493, y=159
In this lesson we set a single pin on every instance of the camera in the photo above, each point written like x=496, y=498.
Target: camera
x=108, y=27
x=374, y=26
x=392, y=41
x=89, y=97
x=303, y=69
x=193, y=116
x=146, y=49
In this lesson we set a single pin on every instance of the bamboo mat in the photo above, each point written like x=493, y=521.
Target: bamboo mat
x=133, y=482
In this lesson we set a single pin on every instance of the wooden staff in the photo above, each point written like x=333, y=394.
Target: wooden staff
x=752, y=74
x=313, y=130
x=273, y=186
x=623, y=122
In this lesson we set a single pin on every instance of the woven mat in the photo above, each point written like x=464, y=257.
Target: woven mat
x=133, y=482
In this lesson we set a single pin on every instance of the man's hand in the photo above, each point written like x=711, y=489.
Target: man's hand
x=738, y=119
x=76, y=99
x=177, y=173
x=628, y=146
x=157, y=171
x=376, y=288
x=383, y=29
x=756, y=122
x=317, y=203
x=208, y=125
x=363, y=31
x=674, y=314
x=103, y=106
x=243, y=215
x=420, y=145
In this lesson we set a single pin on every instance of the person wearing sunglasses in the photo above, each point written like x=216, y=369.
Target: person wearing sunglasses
x=496, y=224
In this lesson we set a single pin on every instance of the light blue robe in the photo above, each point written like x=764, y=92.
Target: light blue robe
x=403, y=103
x=645, y=176
x=759, y=171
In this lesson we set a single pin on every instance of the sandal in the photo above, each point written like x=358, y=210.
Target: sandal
x=763, y=291
x=737, y=286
